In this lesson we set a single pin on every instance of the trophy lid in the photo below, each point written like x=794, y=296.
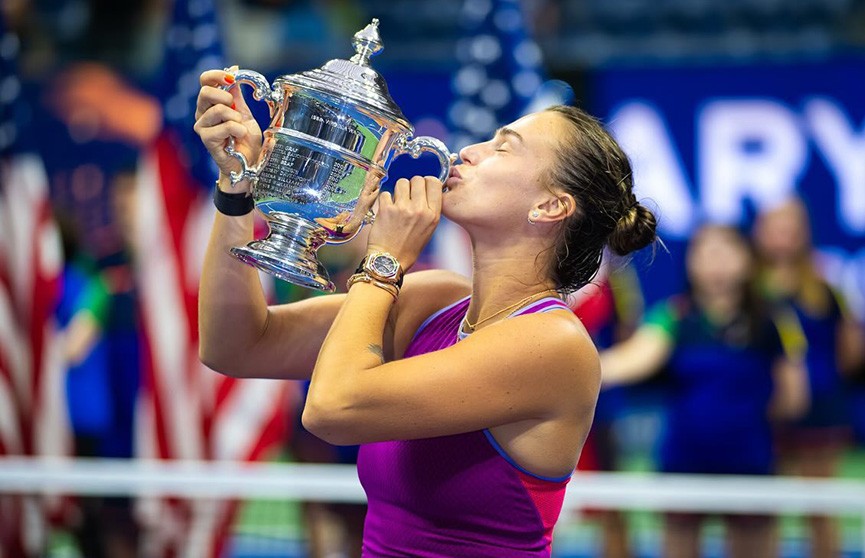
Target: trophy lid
x=354, y=79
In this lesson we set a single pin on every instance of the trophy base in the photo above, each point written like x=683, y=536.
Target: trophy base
x=288, y=253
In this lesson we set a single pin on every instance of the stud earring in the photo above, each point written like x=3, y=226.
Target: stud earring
x=534, y=214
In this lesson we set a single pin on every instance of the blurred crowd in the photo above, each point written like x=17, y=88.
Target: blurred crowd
x=757, y=368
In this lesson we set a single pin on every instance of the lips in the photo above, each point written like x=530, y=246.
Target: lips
x=453, y=176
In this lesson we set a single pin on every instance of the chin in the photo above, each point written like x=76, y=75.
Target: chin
x=448, y=207
x=455, y=212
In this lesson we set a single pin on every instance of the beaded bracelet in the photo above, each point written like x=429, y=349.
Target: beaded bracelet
x=391, y=289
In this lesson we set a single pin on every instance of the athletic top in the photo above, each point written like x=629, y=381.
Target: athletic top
x=458, y=495
x=829, y=406
x=720, y=387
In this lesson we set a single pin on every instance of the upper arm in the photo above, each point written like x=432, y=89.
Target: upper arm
x=851, y=349
x=292, y=337
x=786, y=341
x=541, y=366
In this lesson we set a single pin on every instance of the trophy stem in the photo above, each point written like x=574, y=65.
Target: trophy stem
x=289, y=252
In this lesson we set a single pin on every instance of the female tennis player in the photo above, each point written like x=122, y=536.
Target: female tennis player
x=471, y=398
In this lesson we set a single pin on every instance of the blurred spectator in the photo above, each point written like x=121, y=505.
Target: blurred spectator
x=610, y=308
x=814, y=444
x=104, y=527
x=122, y=327
x=733, y=366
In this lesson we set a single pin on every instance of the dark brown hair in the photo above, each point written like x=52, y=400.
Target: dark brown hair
x=594, y=169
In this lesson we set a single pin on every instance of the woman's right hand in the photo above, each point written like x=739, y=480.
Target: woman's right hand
x=221, y=114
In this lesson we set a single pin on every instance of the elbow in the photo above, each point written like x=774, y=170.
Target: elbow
x=329, y=420
x=795, y=408
x=790, y=407
x=218, y=363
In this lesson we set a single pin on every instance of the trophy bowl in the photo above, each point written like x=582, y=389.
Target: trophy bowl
x=333, y=134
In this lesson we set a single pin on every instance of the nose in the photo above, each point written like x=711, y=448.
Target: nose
x=468, y=154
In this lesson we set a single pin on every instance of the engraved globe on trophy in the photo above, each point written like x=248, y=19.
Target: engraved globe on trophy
x=332, y=136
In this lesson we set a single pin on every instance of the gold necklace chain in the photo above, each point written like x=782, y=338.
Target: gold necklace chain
x=472, y=326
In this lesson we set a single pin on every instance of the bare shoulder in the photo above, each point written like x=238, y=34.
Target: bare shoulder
x=555, y=343
x=560, y=331
x=424, y=293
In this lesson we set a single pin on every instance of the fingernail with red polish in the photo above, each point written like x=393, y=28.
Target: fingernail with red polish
x=229, y=78
x=234, y=106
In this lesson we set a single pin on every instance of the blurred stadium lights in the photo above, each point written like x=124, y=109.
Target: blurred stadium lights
x=593, y=32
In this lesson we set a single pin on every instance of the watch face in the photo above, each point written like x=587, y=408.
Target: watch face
x=384, y=266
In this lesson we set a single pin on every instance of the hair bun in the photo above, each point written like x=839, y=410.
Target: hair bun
x=634, y=230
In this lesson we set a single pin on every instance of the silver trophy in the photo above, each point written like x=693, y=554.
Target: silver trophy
x=333, y=134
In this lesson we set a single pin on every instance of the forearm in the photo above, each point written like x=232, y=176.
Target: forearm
x=619, y=368
x=231, y=305
x=790, y=397
x=80, y=337
x=851, y=347
x=635, y=359
x=353, y=345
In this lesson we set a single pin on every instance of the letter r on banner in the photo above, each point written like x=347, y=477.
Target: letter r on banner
x=748, y=150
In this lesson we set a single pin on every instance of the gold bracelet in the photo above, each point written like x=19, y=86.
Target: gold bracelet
x=391, y=289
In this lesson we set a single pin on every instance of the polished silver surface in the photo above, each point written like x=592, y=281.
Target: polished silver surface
x=332, y=136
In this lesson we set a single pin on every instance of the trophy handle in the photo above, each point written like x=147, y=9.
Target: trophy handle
x=429, y=144
x=261, y=91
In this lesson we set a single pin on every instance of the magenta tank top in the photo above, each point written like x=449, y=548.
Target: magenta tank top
x=460, y=495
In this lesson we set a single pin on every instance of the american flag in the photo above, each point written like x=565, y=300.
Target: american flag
x=500, y=78
x=187, y=411
x=33, y=417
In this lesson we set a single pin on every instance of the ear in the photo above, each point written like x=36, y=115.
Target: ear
x=553, y=209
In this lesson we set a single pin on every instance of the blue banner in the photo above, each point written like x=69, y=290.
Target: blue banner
x=722, y=143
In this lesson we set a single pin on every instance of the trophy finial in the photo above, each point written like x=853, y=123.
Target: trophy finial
x=367, y=43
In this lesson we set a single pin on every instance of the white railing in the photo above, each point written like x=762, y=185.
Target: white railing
x=338, y=483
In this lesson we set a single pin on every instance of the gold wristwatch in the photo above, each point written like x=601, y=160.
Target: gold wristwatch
x=383, y=267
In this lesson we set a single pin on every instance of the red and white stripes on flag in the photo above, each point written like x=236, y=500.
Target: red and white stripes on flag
x=33, y=413
x=187, y=411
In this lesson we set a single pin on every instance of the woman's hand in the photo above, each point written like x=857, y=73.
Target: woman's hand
x=221, y=114
x=406, y=221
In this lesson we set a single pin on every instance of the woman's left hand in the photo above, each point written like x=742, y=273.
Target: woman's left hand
x=406, y=221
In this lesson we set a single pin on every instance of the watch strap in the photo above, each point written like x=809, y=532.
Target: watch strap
x=233, y=204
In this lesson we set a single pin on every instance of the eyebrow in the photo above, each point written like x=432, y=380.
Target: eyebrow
x=505, y=131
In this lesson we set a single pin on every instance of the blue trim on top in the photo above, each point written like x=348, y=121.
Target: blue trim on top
x=560, y=306
x=435, y=315
x=513, y=463
x=525, y=310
